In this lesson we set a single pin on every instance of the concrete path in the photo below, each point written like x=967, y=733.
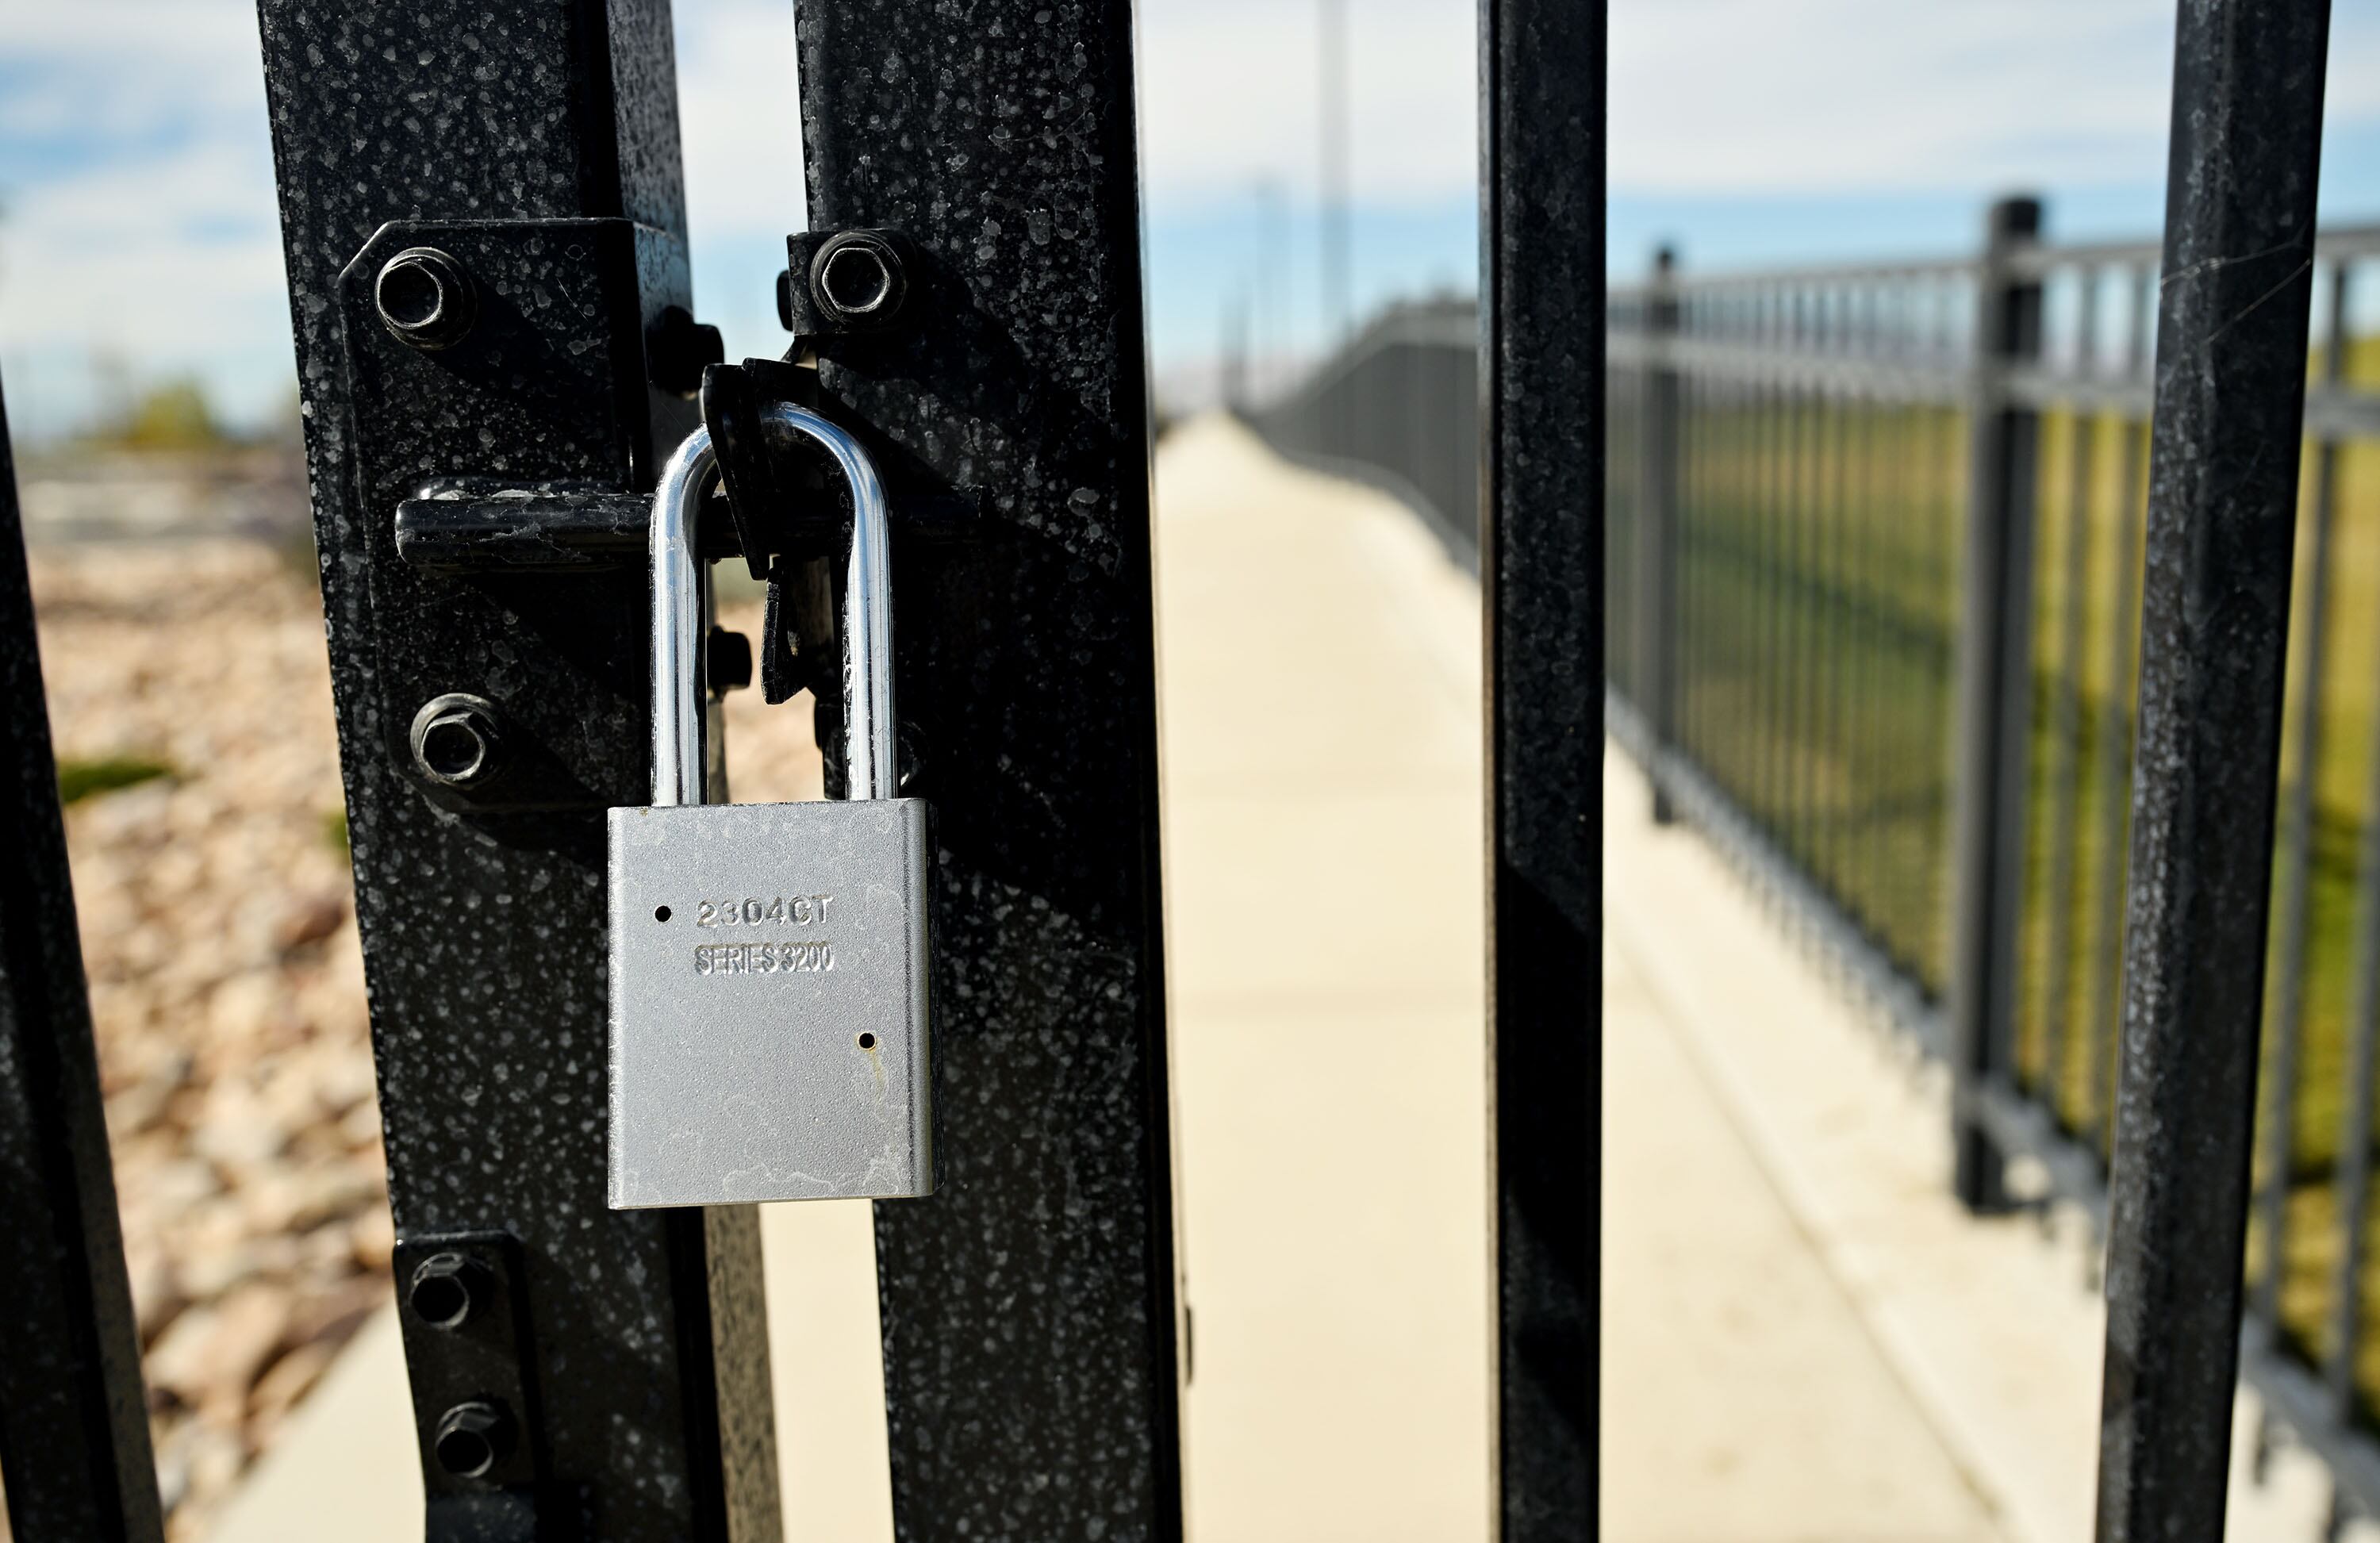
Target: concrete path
x=1803, y=1338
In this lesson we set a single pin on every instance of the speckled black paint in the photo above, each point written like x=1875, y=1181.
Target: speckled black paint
x=483, y=932
x=1030, y=1306
x=74, y=1424
x=2236, y=291
x=1541, y=66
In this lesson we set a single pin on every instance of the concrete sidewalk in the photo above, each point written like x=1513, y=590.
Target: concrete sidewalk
x=1802, y=1337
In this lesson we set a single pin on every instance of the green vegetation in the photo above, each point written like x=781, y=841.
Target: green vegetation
x=334, y=830
x=171, y=415
x=1818, y=576
x=78, y=780
x=1816, y=643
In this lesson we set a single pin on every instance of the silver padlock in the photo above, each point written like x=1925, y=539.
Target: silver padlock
x=771, y=1032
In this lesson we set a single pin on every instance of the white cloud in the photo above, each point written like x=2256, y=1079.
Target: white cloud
x=1745, y=95
x=136, y=193
x=739, y=116
x=1754, y=96
x=1228, y=96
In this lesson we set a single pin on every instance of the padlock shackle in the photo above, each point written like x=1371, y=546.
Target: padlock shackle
x=868, y=721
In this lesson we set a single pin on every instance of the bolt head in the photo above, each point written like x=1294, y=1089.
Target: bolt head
x=457, y=739
x=857, y=279
x=472, y=1438
x=678, y=348
x=445, y=1289
x=426, y=298
x=728, y=661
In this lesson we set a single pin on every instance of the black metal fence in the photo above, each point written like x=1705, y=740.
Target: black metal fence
x=492, y=315
x=1398, y=407
x=1866, y=569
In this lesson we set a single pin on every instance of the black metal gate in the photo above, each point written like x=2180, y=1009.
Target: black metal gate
x=486, y=243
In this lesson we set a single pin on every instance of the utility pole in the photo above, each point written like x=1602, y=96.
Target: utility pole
x=1273, y=326
x=1232, y=377
x=1338, y=303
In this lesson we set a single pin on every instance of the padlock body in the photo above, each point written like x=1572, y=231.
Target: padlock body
x=771, y=1027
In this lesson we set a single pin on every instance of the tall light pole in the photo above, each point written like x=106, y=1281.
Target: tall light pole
x=1338, y=300
x=1270, y=303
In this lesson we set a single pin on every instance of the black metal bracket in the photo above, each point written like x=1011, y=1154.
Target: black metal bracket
x=502, y=355
x=470, y=527
x=467, y=1352
x=755, y=475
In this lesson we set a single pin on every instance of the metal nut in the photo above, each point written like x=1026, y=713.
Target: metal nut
x=457, y=739
x=426, y=298
x=678, y=347
x=728, y=662
x=445, y=1289
x=857, y=277
x=472, y=1438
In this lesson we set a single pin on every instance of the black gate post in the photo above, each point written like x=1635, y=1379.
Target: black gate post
x=1033, y=1350
x=73, y=1425
x=481, y=212
x=1656, y=534
x=2223, y=485
x=1541, y=377
x=1995, y=685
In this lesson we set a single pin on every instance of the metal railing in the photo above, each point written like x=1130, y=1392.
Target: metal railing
x=1874, y=546
x=1397, y=408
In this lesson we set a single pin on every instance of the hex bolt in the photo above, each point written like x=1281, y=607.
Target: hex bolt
x=472, y=1438
x=426, y=298
x=728, y=662
x=457, y=739
x=857, y=277
x=677, y=347
x=446, y=1288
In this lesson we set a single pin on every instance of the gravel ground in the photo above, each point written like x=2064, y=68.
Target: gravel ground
x=218, y=932
x=219, y=938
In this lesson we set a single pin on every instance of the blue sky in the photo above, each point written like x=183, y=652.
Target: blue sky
x=138, y=237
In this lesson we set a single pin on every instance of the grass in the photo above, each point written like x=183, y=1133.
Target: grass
x=78, y=780
x=1819, y=568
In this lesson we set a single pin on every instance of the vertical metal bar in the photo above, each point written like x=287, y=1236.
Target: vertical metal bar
x=1541, y=373
x=1766, y=723
x=1746, y=720
x=1656, y=520
x=1697, y=632
x=1869, y=643
x=1811, y=572
x=1793, y=515
x=1861, y=796
x=1690, y=639
x=2223, y=480
x=1759, y=710
x=2115, y=764
x=74, y=1423
x=646, y=1330
x=2287, y=1035
x=1835, y=827
x=1054, y=1401
x=1899, y=532
x=1761, y=729
x=1993, y=700
x=2066, y=731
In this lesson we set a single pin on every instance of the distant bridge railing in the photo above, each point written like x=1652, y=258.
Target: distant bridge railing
x=1873, y=547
